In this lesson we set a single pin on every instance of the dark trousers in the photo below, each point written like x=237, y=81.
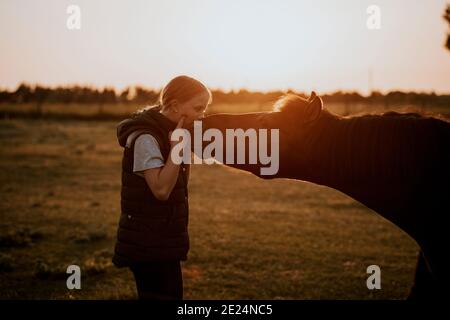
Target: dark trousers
x=159, y=280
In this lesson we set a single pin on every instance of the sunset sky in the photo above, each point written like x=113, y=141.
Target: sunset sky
x=260, y=45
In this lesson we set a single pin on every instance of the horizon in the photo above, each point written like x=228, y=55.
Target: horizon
x=117, y=91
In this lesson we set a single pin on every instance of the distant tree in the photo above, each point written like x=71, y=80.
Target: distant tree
x=107, y=96
x=447, y=18
x=144, y=96
x=5, y=96
x=41, y=94
x=124, y=95
x=23, y=94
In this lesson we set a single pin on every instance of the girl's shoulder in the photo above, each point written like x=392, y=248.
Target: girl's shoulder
x=146, y=141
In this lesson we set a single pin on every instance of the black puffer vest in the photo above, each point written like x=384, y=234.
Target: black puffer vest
x=150, y=229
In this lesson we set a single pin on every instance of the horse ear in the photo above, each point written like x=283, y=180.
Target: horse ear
x=314, y=108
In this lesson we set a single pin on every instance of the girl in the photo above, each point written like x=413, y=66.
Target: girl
x=152, y=237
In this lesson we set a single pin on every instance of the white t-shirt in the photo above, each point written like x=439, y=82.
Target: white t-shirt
x=147, y=154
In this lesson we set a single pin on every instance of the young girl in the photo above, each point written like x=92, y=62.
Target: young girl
x=152, y=237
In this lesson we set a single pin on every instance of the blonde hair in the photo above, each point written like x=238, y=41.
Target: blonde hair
x=182, y=89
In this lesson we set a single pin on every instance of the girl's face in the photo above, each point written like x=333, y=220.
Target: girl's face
x=193, y=109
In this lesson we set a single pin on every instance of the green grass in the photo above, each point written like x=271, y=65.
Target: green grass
x=250, y=238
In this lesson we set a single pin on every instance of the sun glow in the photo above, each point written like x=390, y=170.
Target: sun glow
x=318, y=45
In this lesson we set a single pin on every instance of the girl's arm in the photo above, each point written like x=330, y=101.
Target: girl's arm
x=188, y=168
x=162, y=180
x=188, y=172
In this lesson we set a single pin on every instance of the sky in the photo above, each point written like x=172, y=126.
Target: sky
x=321, y=45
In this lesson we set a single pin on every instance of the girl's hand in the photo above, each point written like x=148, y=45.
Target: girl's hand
x=179, y=126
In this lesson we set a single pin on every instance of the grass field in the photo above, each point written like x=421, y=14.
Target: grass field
x=73, y=110
x=250, y=238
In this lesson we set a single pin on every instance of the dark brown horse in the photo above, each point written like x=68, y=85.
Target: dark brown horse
x=395, y=164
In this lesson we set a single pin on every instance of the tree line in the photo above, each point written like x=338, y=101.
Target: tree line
x=38, y=94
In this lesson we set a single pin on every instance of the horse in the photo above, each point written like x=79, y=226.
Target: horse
x=396, y=164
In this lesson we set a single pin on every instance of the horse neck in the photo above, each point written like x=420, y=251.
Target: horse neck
x=336, y=156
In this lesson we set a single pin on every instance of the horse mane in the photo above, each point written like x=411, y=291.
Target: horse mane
x=290, y=103
x=374, y=145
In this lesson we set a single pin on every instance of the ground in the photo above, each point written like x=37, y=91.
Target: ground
x=250, y=238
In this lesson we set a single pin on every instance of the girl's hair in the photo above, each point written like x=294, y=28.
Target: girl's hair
x=182, y=89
